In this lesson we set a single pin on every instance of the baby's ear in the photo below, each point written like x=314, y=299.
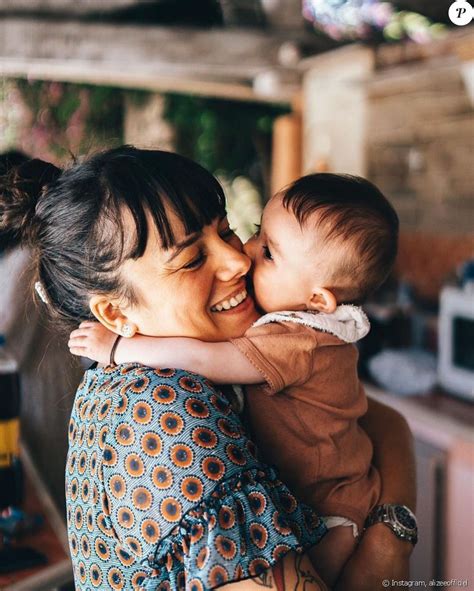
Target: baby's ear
x=322, y=300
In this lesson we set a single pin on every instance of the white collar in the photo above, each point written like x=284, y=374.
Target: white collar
x=348, y=323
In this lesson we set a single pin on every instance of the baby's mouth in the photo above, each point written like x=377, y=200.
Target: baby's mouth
x=230, y=303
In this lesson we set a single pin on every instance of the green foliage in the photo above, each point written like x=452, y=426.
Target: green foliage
x=230, y=137
x=227, y=137
x=106, y=113
x=72, y=117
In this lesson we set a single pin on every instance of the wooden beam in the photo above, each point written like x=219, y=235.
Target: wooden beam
x=70, y=5
x=213, y=62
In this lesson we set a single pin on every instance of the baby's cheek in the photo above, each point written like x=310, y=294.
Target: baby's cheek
x=263, y=290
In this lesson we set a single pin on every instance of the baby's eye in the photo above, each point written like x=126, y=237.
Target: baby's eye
x=267, y=254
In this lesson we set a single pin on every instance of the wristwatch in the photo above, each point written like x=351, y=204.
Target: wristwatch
x=398, y=518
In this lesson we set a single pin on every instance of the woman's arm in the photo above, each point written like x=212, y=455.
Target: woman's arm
x=293, y=573
x=380, y=554
x=221, y=363
x=394, y=456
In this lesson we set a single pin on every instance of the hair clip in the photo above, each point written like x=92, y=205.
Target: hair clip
x=40, y=290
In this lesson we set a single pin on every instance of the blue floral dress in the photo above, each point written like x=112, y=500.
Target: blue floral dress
x=163, y=488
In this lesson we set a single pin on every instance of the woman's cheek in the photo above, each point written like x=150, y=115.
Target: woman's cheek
x=197, y=285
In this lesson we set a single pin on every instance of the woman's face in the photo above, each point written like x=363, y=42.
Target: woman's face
x=184, y=291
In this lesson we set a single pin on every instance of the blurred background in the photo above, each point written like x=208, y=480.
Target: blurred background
x=259, y=92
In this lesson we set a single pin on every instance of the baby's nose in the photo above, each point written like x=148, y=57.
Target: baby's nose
x=249, y=247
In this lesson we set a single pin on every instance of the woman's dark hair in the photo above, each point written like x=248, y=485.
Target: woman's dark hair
x=74, y=220
x=8, y=162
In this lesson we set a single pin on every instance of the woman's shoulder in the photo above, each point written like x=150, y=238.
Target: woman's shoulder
x=145, y=396
x=142, y=394
x=132, y=379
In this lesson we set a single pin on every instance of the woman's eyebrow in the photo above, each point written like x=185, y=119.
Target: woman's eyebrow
x=180, y=246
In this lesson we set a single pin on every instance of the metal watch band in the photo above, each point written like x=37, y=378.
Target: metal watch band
x=387, y=514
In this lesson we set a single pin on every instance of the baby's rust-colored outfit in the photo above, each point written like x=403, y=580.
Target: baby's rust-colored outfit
x=304, y=418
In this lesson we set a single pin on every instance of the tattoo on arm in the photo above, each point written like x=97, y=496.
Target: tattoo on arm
x=272, y=578
x=306, y=580
x=264, y=579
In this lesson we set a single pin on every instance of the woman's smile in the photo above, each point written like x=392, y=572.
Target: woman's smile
x=231, y=302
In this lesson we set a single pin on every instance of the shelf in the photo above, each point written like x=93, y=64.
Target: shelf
x=437, y=417
x=50, y=539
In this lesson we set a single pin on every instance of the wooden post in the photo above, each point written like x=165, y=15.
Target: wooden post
x=287, y=151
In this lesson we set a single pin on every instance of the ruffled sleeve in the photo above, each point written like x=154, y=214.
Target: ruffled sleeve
x=247, y=525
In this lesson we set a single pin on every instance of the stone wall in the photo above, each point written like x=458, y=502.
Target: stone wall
x=420, y=144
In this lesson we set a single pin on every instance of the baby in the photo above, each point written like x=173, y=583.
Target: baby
x=324, y=244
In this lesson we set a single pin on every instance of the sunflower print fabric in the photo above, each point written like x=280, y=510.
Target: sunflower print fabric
x=163, y=488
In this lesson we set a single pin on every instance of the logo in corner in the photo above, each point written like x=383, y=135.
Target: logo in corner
x=461, y=13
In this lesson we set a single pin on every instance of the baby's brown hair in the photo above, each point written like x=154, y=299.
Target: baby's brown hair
x=353, y=212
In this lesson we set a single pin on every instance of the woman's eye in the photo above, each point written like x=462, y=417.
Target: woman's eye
x=267, y=254
x=257, y=229
x=197, y=262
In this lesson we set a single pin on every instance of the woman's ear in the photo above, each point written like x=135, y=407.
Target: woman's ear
x=111, y=316
x=322, y=300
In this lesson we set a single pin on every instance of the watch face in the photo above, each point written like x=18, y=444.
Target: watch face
x=405, y=517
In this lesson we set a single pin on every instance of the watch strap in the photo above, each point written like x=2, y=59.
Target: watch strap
x=386, y=514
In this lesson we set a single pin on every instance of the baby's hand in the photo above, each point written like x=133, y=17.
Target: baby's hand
x=92, y=340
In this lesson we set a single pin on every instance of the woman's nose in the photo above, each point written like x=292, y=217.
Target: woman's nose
x=232, y=263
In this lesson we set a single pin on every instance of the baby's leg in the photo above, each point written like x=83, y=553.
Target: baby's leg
x=332, y=553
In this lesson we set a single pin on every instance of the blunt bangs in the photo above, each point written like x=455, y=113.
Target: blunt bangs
x=154, y=181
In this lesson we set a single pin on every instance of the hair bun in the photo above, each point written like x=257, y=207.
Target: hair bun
x=21, y=188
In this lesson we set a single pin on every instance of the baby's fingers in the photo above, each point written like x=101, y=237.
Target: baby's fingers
x=76, y=336
x=80, y=335
x=77, y=333
x=79, y=351
x=88, y=324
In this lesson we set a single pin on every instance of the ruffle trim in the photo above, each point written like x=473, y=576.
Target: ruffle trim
x=249, y=522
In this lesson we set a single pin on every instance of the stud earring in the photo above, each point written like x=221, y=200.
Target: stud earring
x=127, y=330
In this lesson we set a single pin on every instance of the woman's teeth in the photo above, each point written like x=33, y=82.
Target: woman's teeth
x=231, y=303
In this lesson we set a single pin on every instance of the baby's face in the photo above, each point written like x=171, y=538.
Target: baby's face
x=287, y=260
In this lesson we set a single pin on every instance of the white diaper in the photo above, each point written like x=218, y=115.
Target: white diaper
x=334, y=521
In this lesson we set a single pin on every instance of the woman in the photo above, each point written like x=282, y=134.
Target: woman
x=163, y=488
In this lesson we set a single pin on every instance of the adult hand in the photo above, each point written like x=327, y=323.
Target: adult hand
x=380, y=556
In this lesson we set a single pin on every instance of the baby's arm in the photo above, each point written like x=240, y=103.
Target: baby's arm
x=221, y=363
